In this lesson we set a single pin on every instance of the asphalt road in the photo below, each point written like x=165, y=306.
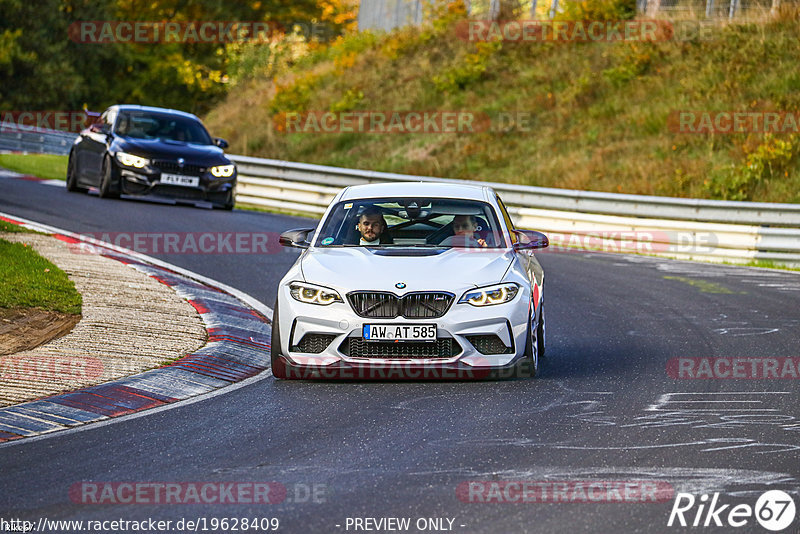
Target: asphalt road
x=603, y=408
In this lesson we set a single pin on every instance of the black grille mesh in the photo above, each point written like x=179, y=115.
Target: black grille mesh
x=174, y=168
x=359, y=348
x=314, y=343
x=489, y=344
x=381, y=305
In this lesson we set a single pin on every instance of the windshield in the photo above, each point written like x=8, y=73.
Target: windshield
x=148, y=125
x=411, y=222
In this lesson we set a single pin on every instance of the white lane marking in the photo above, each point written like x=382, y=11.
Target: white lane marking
x=745, y=331
x=241, y=295
x=251, y=301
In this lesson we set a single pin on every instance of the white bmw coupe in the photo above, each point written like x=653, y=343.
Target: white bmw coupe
x=411, y=280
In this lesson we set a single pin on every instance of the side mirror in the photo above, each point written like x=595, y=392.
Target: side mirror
x=296, y=238
x=220, y=142
x=530, y=240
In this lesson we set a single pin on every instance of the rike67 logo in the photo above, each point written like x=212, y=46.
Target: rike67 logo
x=774, y=511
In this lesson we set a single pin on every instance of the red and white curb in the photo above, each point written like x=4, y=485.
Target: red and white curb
x=238, y=348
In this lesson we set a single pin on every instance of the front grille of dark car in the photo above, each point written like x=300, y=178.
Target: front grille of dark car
x=174, y=168
x=177, y=191
x=357, y=347
x=382, y=305
x=489, y=344
x=314, y=343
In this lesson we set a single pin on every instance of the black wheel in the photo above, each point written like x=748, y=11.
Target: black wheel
x=230, y=200
x=529, y=366
x=108, y=187
x=540, y=332
x=72, y=177
x=278, y=365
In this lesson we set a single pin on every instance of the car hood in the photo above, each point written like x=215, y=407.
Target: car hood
x=421, y=269
x=172, y=150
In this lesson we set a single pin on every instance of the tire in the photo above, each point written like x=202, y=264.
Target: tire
x=72, y=178
x=230, y=201
x=529, y=367
x=278, y=365
x=540, y=332
x=107, y=187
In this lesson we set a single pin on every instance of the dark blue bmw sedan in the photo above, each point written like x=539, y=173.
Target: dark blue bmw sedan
x=157, y=153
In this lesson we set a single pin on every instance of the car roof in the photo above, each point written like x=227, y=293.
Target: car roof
x=133, y=107
x=414, y=189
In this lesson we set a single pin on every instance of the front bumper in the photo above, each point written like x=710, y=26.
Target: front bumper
x=338, y=326
x=146, y=182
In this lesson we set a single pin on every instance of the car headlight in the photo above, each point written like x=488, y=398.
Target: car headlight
x=223, y=171
x=490, y=295
x=129, y=160
x=312, y=294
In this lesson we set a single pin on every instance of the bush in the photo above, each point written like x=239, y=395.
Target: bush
x=598, y=10
x=769, y=160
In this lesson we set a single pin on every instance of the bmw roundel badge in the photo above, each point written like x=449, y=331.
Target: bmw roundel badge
x=400, y=285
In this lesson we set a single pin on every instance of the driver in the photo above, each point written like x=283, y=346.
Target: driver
x=372, y=227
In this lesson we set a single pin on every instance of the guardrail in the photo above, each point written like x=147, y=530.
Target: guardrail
x=586, y=220
x=708, y=230
x=36, y=140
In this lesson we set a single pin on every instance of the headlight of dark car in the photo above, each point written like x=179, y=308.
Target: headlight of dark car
x=223, y=171
x=130, y=160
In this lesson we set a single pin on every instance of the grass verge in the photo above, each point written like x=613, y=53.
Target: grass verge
x=48, y=166
x=31, y=281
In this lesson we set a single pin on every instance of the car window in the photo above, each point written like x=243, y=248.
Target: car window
x=164, y=126
x=417, y=222
x=507, y=218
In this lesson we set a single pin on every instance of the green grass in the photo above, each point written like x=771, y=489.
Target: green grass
x=766, y=264
x=30, y=281
x=49, y=166
x=14, y=228
x=599, y=113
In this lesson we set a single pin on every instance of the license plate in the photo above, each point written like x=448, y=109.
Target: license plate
x=400, y=332
x=179, y=179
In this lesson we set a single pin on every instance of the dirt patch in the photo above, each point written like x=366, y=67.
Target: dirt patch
x=27, y=328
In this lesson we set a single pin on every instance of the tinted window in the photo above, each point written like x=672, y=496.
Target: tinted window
x=147, y=125
x=419, y=222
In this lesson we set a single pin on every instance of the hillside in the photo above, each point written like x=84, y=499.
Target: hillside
x=591, y=115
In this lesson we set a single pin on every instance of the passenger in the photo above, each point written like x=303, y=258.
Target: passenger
x=464, y=228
